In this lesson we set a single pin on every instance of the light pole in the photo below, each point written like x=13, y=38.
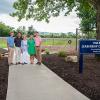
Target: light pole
x=76, y=37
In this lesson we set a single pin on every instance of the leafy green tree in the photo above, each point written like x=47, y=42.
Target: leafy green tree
x=31, y=30
x=63, y=35
x=21, y=29
x=44, y=9
x=4, y=29
x=88, y=21
x=71, y=35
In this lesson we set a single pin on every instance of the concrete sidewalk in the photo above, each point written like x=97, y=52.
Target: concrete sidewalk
x=33, y=82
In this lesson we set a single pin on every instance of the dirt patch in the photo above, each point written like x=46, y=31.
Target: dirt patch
x=55, y=48
x=87, y=83
x=4, y=68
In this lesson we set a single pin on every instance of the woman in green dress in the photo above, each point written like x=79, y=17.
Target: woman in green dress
x=31, y=49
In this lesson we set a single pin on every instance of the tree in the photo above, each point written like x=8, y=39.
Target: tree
x=88, y=21
x=71, y=35
x=63, y=35
x=44, y=9
x=31, y=30
x=21, y=29
x=4, y=29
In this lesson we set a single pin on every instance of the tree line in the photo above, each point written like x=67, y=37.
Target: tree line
x=4, y=32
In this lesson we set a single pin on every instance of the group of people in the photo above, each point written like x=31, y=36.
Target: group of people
x=24, y=46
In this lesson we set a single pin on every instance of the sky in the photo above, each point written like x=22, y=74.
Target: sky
x=58, y=24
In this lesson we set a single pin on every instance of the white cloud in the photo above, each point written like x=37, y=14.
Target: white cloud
x=59, y=24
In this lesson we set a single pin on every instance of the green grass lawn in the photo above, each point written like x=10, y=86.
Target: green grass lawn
x=58, y=42
x=3, y=44
x=54, y=42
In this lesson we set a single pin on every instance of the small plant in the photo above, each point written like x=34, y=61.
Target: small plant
x=62, y=54
x=47, y=51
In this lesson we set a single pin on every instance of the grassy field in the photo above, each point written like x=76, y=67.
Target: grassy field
x=3, y=43
x=58, y=42
x=46, y=42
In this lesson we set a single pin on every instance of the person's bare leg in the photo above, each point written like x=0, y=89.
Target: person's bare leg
x=39, y=55
x=31, y=59
x=39, y=58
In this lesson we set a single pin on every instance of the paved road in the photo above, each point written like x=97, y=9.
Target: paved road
x=33, y=82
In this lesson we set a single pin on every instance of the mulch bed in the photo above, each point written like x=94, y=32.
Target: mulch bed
x=4, y=69
x=87, y=83
x=55, y=48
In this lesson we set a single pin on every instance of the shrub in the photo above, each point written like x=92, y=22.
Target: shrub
x=62, y=54
x=47, y=51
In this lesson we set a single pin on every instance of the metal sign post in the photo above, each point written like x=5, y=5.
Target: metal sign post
x=76, y=37
x=81, y=63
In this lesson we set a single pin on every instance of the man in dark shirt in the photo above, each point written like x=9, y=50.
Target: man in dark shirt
x=17, y=42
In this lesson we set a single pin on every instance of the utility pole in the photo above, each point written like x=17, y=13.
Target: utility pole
x=76, y=37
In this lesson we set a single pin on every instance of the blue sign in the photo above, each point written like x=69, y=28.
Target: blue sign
x=87, y=47
x=90, y=46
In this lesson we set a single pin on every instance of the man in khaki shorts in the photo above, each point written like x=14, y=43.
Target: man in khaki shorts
x=38, y=42
x=10, y=44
